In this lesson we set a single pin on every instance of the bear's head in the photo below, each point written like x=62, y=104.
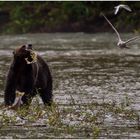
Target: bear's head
x=25, y=54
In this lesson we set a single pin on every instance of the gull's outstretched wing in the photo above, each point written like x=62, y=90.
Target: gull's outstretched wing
x=116, y=10
x=131, y=39
x=119, y=38
x=126, y=7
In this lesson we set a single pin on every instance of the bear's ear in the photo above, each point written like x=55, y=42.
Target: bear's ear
x=23, y=47
x=29, y=47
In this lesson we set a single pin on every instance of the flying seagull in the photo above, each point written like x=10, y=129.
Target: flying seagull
x=121, y=44
x=117, y=8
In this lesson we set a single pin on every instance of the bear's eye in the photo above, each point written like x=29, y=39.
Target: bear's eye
x=13, y=52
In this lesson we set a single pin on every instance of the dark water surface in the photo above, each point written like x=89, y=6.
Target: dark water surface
x=96, y=87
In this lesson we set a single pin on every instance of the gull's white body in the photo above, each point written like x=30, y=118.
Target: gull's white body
x=117, y=8
x=121, y=44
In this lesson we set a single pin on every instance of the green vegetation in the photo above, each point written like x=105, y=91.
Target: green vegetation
x=26, y=17
x=72, y=120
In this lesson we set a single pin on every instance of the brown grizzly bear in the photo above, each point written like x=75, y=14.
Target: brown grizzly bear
x=29, y=74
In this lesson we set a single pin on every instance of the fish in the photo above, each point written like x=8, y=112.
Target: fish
x=18, y=100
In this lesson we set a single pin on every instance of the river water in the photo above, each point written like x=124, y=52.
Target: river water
x=96, y=87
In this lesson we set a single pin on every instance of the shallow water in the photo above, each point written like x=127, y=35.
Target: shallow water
x=87, y=69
